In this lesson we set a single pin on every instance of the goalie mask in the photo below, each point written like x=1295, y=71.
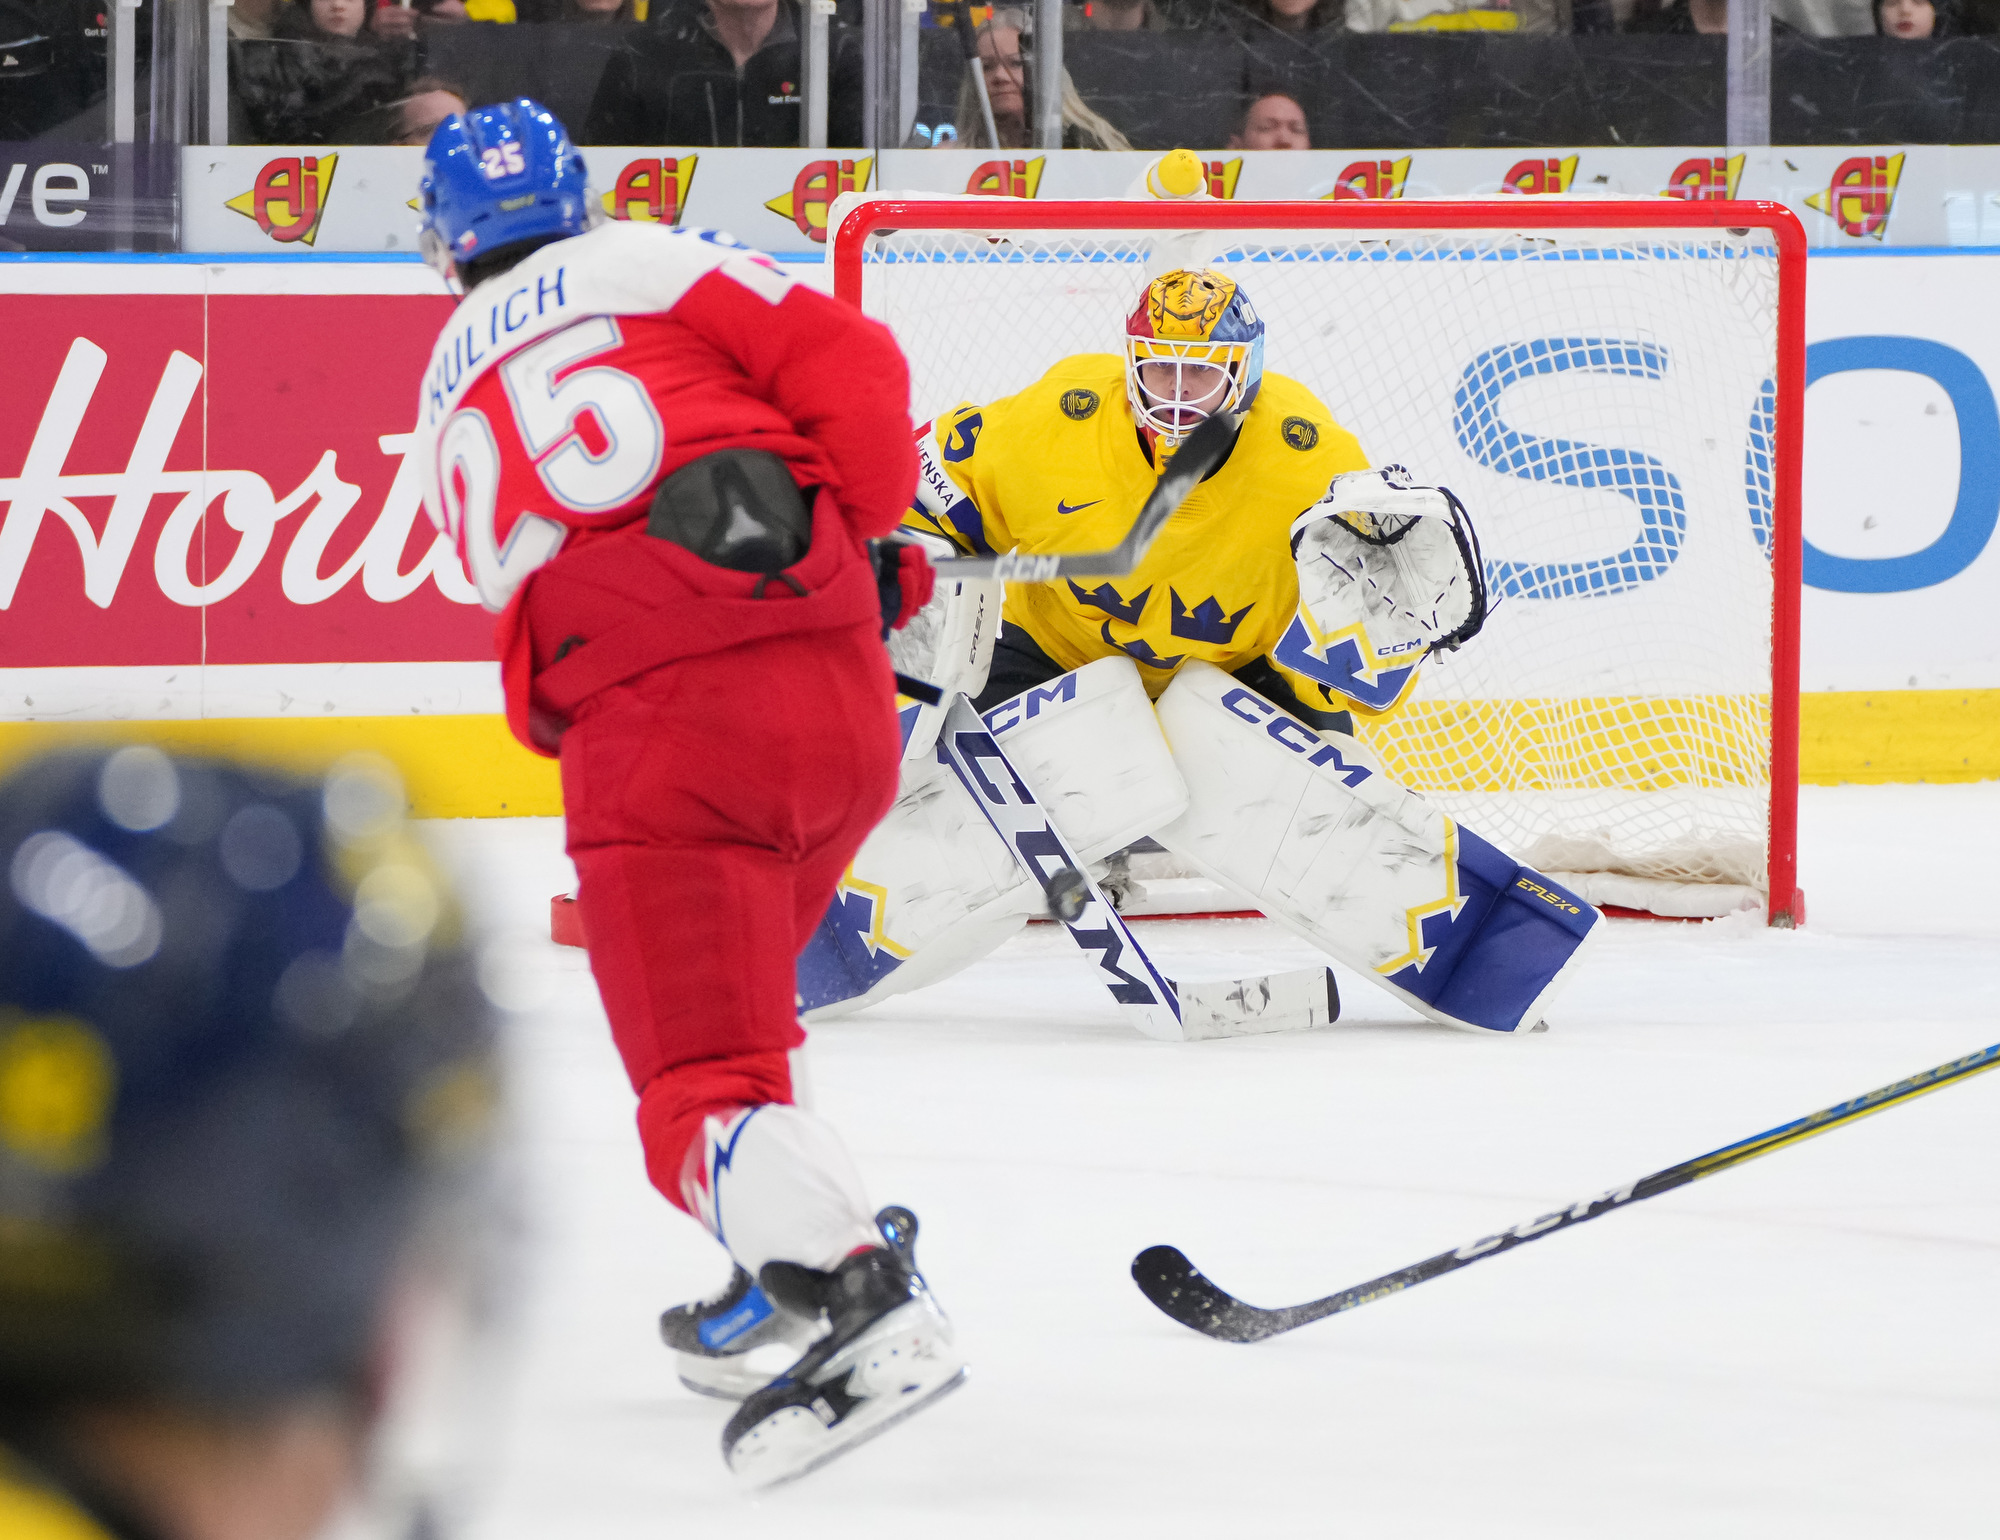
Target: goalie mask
x=1194, y=346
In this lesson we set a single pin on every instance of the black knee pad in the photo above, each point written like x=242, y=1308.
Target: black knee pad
x=736, y=508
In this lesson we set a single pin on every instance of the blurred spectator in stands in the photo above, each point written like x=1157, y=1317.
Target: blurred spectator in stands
x=1528, y=16
x=253, y=18
x=1707, y=17
x=1146, y=15
x=429, y=103
x=723, y=72
x=1115, y=16
x=1914, y=19
x=1006, y=69
x=321, y=21
x=320, y=78
x=398, y=18
x=601, y=12
x=1294, y=17
x=1275, y=121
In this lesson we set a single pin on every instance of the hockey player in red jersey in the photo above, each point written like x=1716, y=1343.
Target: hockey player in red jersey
x=664, y=463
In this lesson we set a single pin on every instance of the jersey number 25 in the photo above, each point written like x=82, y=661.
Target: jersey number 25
x=547, y=413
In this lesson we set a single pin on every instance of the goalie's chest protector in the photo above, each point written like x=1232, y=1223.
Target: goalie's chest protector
x=1059, y=467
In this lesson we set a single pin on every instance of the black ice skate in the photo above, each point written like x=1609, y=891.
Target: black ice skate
x=887, y=1353
x=736, y=1341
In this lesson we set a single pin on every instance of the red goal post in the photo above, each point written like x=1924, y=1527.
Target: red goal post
x=1633, y=723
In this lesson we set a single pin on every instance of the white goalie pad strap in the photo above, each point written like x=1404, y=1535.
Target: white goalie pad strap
x=949, y=643
x=1382, y=580
x=1309, y=826
x=933, y=888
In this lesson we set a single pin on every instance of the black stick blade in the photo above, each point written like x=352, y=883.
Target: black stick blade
x=1176, y=1285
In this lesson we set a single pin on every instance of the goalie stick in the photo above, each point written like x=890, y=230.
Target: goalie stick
x=1202, y=451
x=1171, y=1281
x=1156, y=1005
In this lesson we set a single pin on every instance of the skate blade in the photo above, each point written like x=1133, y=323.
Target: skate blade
x=738, y=1375
x=900, y=1368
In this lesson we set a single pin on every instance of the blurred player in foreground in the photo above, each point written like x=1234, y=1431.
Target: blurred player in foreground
x=1294, y=590
x=246, y=1097
x=663, y=462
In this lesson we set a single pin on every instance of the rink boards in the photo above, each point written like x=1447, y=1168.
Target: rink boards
x=212, y=536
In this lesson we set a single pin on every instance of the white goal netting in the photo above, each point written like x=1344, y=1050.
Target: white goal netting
x=1603, y=401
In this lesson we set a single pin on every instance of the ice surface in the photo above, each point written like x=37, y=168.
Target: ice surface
x=1807, y=1345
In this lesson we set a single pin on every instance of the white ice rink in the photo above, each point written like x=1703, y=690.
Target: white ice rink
x=1809, y=1345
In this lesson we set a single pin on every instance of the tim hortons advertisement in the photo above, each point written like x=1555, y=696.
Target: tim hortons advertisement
x=220, y=480
x=319, y=199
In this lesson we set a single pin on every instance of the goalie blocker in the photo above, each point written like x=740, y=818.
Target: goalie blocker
x=1305, y=824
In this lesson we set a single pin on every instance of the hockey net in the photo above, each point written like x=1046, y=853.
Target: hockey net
x=1614, y=390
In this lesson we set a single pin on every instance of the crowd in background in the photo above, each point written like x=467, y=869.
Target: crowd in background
x=728, y=72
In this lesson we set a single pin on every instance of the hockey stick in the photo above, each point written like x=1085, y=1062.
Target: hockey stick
x=1169, y=1280
x=1156, y=1005
x=1203, y=450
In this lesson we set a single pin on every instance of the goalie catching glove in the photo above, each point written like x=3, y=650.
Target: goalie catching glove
x=1389, y=572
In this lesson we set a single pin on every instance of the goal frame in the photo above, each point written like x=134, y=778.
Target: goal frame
x=870, y=215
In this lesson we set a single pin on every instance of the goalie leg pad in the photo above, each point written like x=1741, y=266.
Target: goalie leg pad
x=934, y=888
x=1312, y=829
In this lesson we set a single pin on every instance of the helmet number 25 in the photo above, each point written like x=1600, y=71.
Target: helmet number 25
x=502, y=159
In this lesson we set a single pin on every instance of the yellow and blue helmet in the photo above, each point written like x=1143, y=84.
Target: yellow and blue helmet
x=1194, y=346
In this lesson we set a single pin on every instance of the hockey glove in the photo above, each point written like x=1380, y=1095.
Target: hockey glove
x=904, y=579
x=1389, y=572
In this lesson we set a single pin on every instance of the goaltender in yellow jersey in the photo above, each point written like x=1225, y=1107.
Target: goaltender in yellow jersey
x=1066, y=464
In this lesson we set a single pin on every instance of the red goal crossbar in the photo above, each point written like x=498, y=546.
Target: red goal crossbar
x=887, y=214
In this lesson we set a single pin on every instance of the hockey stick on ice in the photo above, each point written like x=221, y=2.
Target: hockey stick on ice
x=1169, y=1280
x=1155, y=1004
x=1201, y=452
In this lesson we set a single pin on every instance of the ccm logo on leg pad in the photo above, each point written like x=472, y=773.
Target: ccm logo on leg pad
x=1028, y=705
x=1292, y=733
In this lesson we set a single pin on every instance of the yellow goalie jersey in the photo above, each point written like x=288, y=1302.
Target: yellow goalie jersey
x=1060, y=467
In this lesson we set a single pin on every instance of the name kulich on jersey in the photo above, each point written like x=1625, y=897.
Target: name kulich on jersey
x=1060, y=467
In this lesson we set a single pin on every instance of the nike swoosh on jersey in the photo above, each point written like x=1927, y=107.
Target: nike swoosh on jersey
x=1063, y=507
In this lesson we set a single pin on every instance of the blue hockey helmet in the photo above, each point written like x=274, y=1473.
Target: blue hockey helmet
x=245, y=1065
x=497, y=176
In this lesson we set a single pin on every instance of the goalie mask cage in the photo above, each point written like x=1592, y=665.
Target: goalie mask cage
x=1614, y=388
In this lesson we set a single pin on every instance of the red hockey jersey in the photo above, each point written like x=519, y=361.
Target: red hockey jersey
x=563, y=392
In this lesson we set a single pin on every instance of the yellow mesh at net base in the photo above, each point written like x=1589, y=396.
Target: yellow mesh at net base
x=1609, y=743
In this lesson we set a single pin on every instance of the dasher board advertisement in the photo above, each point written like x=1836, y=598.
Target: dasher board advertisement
x=316, y=199
x=210, y=514
x=87, y=197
